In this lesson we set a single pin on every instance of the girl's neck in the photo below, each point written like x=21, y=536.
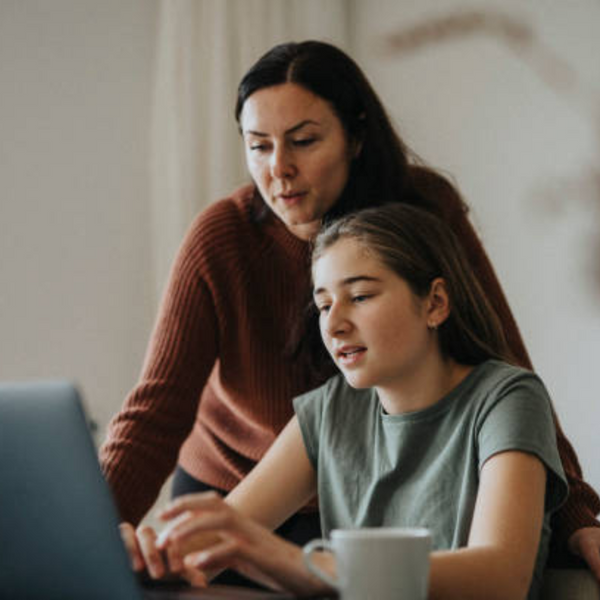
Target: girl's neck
x=423, y=387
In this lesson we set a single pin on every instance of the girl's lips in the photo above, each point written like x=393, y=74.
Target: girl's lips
x=350, y=357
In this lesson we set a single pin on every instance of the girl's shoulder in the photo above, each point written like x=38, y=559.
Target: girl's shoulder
x=497, y=374
x=334, y=397
x=495, y=383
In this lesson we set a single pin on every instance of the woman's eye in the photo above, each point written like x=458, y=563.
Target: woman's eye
x=258, y=147
x=304, y=142
x=324, y=308
x=360, y=298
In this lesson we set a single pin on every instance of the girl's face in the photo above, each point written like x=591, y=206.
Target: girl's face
x=373, y=325
x=297, y=153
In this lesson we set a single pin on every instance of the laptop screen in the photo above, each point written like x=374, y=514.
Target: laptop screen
x=58, y=525
x=59, y=535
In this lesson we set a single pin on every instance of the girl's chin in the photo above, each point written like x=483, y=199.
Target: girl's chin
x=358, y=383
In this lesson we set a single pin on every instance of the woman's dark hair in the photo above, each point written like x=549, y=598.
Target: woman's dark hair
x=381, y=172
x=384, y=171
x=420, y=248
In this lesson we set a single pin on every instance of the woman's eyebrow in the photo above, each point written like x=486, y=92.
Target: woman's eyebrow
x=346, y=282
x=287, y=131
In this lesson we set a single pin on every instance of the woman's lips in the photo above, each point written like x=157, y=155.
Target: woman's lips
x=291, y=198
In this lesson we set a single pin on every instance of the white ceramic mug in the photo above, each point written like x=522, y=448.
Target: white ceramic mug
x=383, y=563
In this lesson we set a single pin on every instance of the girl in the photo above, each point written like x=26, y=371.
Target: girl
x=427, y=424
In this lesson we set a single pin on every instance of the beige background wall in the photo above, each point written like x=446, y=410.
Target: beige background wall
x=75, y=93
x=77, y=297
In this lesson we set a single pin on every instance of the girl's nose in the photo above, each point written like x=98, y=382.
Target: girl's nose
x=337, y=323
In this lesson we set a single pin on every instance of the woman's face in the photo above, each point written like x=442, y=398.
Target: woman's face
x=297, y=153
x=373, y=325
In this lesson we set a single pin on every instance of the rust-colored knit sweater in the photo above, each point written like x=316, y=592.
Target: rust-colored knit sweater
x=217, y=385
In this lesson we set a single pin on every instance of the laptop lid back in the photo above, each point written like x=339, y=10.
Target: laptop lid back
x=59, y=534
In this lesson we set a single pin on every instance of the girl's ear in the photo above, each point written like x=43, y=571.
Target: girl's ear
x=438, y=303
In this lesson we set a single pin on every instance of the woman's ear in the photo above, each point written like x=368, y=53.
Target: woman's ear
x=354, y=148
x=438, y=303
x=356, y=144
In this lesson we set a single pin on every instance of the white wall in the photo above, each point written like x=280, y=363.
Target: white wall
x=75, y=94
x=522, y=154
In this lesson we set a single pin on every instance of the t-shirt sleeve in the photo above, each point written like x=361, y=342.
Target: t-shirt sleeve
x=519, y=417
x=309, y=410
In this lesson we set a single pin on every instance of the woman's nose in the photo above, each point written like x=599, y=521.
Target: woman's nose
x=282, y=164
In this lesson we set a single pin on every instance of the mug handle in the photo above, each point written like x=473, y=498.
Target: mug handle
x=307, y=552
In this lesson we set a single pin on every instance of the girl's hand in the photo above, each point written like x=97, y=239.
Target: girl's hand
x=212, y=535
x=144, y=554
x=585, y=542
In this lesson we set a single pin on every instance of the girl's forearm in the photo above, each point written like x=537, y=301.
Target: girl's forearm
x=283, y=563
x=477, y=572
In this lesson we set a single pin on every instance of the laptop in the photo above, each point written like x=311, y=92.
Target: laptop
x=59, y=536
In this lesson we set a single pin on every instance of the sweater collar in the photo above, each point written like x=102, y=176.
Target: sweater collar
x=292, y=246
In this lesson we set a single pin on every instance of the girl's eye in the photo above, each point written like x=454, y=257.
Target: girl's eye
x=360, y=298
x=323, y=309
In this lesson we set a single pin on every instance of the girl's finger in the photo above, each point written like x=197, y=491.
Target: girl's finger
x=189, y=502
x=131, y=545
x=219, y=556
x=174, y=559
x=195, y=577
x=200, y=527
x=152, y=557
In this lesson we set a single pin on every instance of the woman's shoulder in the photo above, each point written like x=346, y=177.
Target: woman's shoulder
x=236, y=210
x=228, y=225
x=223, y=232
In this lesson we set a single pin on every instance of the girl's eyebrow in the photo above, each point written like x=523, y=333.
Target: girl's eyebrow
x=346, y=282
x=287, y=131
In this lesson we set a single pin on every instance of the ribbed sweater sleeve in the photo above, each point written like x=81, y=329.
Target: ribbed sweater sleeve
x=145, y=436
x=583, y=503
x=216, y=385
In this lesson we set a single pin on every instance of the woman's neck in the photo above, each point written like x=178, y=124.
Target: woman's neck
x=423, y=387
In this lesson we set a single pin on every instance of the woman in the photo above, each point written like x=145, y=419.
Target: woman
x=227, y=354
x=427, y=425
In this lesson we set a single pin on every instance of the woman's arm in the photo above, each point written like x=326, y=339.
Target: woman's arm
x=144, y=438
x=499, y=559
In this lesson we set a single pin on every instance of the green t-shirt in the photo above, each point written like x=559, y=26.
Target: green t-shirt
x=422, y=468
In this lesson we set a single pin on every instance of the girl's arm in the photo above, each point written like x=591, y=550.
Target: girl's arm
x=575, y=521
x=214, y=533
x=497, y=563
x=499, y=559
x=282, y=482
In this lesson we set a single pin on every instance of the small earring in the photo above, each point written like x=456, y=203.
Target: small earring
x=432, y=326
